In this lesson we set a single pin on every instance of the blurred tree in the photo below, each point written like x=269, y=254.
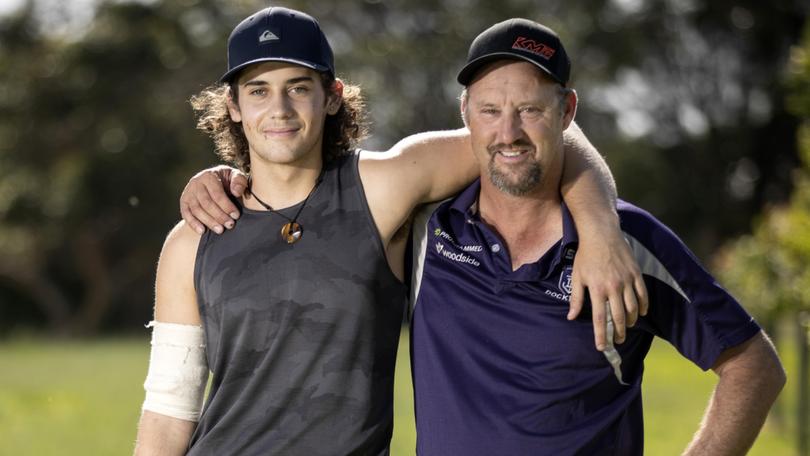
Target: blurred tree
x=97, y=139
x=768, y=268
x=95, y=136
x=697, y=88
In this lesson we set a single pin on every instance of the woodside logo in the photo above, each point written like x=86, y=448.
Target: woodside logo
x=459, y=257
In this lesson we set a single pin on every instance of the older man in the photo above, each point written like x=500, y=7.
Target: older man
x=498, y=370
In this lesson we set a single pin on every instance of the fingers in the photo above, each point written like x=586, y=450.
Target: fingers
x=231, y=180
x=209, y=209
x=199, y=210
x=617, y=311
x=622, y=304
x=577, y=298
x=216, y=203
x=641, y=292
x=630, y=306
x=204, y=202
x=599, y=318
x=185, y=212
x=239, y=183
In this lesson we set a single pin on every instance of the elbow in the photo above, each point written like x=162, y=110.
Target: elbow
x=757, y=365
x=771, y=387
x=773, y=374
x=779, y=377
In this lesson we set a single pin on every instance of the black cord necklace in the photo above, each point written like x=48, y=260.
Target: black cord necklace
x=292, y=231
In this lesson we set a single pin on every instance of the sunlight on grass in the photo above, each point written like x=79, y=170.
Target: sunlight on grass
x=83, y=398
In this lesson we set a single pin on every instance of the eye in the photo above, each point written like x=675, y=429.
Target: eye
x=530, y=111
x=489, y=111
x=299, y=90
x=258, y=91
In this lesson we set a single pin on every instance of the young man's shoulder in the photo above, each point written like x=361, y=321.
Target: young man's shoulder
x=175, y=300
x=179, y=252
x=181, y=239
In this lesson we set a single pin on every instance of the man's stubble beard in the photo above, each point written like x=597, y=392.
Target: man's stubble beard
x=525, y=178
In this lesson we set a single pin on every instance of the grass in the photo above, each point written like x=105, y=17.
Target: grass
x=75, y=398
x=83, y=398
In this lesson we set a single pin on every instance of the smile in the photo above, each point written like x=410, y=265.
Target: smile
x=280, y=131
x=511, y=153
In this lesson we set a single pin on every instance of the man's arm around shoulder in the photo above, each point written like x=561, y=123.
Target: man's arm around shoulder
x=750, y=378
x=176, y=305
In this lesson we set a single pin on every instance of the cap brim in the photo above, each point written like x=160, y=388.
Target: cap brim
x=467, y=74
x=227, y=77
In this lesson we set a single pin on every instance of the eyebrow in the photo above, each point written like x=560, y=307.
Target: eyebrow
x=259, y=82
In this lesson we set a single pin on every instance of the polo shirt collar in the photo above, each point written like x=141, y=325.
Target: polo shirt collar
x=466, y=205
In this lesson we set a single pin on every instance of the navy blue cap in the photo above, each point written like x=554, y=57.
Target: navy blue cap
x=518, y=39
x=277, y=34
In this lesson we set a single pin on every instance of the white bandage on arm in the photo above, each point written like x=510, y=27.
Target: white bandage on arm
x=178, y=371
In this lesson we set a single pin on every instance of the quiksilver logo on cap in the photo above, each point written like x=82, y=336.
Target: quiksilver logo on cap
x=267, y=35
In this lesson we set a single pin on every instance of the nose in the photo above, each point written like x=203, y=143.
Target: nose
x=510, y=129
x=279, y=107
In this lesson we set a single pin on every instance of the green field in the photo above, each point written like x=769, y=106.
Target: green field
x=83, y=398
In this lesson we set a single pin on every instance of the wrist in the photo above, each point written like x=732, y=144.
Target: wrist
x=598, y=227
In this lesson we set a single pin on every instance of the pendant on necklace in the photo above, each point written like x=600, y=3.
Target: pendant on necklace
x=291, y=232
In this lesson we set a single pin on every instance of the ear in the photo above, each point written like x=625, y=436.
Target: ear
x=334, y=97
x=570, y=108
x=233, y=108
x=463, y=106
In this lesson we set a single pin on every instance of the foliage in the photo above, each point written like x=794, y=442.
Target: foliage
x=94, y=138
x=768, y=269
x=97, y=139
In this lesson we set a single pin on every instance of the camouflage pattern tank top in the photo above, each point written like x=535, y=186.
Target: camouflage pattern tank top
x=301, y=338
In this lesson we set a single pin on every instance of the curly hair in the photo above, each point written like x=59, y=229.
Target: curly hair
x=341, y=131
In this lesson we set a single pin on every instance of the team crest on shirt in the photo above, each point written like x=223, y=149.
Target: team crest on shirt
x=565, y=285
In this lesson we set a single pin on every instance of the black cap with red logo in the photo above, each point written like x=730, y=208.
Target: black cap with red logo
x=520, y=39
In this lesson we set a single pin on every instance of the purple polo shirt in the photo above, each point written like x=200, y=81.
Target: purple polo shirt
x=499, y=370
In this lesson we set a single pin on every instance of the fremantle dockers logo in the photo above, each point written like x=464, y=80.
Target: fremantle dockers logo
x=565, y=284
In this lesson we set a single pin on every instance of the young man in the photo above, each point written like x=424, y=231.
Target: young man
x=497, y=369
x=297, y=310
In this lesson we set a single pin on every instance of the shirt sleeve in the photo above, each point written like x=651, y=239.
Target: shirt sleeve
x=688, y=307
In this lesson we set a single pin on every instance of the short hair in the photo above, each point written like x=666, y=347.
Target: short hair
x=342, y=131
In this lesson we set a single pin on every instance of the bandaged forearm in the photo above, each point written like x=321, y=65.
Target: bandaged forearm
x=178, y=371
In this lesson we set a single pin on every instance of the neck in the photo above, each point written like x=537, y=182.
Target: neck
x=282, y=185
x=529, y=224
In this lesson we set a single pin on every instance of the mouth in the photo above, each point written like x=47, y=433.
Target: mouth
x=510, y=155
x=280, y=131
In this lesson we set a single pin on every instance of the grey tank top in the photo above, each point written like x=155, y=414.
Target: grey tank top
x=301, y=338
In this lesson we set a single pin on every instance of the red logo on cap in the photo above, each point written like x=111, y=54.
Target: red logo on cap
x=528, y=44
